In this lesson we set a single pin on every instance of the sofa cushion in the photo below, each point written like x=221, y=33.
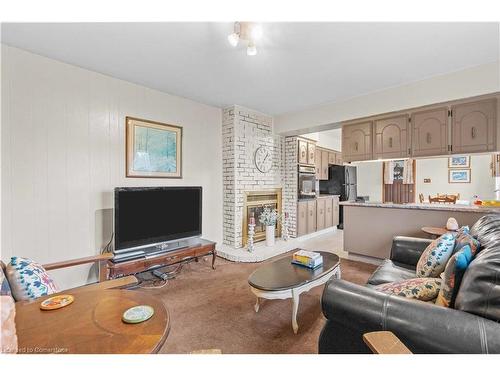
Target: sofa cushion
x=452, y=277
x=464, y=238
x=434, y=258
x=8, y=337
x=28, y=279
x=421, y=288
x=389, y=272
x=479, y=291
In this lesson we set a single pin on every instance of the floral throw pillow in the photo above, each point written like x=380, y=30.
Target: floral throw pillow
x=463, y=239
x=453, y=273
x=434, y=258
x=28, y=279
x=421, y=288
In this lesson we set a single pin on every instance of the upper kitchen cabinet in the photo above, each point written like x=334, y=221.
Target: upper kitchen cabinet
x=357, y=141
x=391, y=138
x=311, y=153
x=430, y=132
x=302, y=157
x=474, y=126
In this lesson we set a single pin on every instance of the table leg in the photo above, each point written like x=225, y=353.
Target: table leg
x=295, y=307
x=257, y=305
x=213, y=259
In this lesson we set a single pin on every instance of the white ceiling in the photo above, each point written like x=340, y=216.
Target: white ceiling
x=298, y=66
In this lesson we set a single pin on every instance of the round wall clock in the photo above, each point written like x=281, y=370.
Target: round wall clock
x=263, y=159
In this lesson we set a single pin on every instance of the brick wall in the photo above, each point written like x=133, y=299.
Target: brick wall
x=243, y=131
x=290, y=184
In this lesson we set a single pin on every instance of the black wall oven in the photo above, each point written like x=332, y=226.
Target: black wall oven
x=306, y=182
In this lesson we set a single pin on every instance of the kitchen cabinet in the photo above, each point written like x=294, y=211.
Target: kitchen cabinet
x=318, y=166
x=391, y=138
x=357, y=141
x=429, y=132
x=302, y=157
x=311, y=216
x=474, y=126
x=301, y=218
x=338, y=158
x=324, y=165
x=332, y=157
x=311, y=153
x=328, y=212
x=320, y=213
x=336, y=211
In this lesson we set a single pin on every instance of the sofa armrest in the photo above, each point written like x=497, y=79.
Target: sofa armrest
x=407, y=250
x=353, y=310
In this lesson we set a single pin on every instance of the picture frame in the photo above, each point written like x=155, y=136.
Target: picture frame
x=153, y=149
x=459, y=162
x=459, y=176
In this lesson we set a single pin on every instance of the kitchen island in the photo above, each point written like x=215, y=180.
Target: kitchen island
x=369, y=227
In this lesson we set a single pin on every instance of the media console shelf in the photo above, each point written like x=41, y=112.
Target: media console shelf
x=199, y=249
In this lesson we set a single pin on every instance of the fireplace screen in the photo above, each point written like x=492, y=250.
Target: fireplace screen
x=254, y=204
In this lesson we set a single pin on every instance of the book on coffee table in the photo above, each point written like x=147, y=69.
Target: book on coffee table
x=308, y=259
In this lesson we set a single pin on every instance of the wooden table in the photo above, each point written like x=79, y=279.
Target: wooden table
x=280, y=279
x=435, y=232
x=385, y=342
x=92, y=324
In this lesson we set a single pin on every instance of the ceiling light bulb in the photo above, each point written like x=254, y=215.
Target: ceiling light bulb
x=233, y=39
x=256, y=32
x=251, y=49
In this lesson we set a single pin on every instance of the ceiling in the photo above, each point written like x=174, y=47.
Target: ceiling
x=298, y=65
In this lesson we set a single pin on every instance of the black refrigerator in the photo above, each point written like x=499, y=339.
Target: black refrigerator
x=342, y=180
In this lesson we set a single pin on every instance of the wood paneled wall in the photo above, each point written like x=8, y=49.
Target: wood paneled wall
x=63, y=152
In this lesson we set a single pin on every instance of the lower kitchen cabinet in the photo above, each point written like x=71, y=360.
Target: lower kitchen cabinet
x=311, y=216
x=301, y=218
x=320, y=213
x=317, y=214
x=336, y=210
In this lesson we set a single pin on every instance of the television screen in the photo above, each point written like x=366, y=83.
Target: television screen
x=156, y=214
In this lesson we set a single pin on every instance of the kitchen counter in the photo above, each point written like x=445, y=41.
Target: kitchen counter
x=369, y=227
x=427, y=206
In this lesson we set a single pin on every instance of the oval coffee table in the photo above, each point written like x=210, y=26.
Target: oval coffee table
x=280, y=279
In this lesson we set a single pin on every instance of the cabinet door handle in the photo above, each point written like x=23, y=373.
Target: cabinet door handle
x=390, y=142
x=429, y=138
x=473, y=132
x=356, y=146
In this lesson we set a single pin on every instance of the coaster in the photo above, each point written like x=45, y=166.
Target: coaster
x=57, y=302
x=138, y=314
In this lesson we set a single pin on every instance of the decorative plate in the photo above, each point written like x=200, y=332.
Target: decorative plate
x=57, y=302
x=138, y=314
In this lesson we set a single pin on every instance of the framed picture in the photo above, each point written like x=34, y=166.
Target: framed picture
x=459, y=175
x=459, y=162
x=153, y=149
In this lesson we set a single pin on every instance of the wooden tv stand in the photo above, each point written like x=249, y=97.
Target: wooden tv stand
x=131, y=267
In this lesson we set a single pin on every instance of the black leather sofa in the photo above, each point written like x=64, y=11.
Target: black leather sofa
x=473, y=326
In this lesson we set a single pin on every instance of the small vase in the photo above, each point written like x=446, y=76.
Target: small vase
x=270, y=234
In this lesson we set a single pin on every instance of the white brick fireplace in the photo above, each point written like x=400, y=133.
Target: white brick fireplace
x=243, y=131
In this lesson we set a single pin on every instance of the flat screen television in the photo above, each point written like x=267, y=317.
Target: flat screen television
x=151, y=215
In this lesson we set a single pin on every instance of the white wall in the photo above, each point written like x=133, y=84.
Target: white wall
x=482, y=183
x=473, y=81
x=369, y=176
x=331, y=139
x=63, y=152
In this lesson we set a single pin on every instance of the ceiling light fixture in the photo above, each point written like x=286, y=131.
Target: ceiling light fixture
x=246, y=31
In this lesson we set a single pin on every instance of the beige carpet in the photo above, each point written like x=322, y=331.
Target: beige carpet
x=214, y=309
